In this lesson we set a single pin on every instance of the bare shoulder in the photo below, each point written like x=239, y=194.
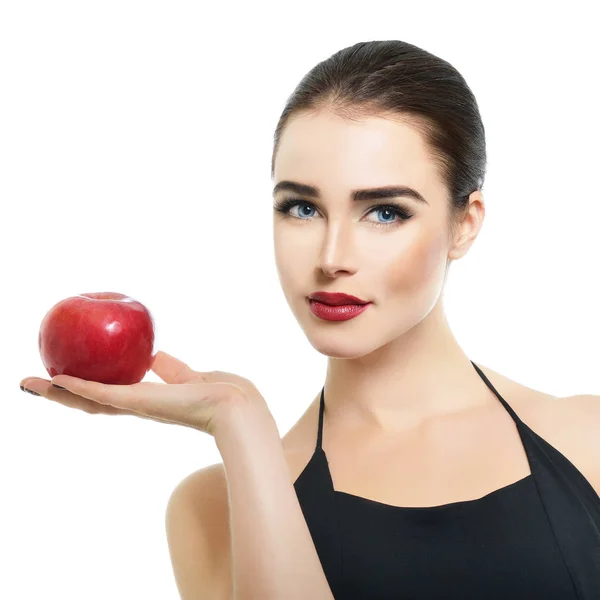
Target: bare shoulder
x=526, y=398
x=197, y=523
x=578, y=417
x=583, y=405
x=200, y=503
x=205, y=485
x=571, y=424
x=205, y=490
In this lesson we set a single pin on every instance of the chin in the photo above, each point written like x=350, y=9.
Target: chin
x=333, y=345
x=338, y=353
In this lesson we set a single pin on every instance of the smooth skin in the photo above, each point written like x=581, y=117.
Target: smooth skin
x=200, y=400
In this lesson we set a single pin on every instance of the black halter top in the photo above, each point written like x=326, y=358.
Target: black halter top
x=536, y=538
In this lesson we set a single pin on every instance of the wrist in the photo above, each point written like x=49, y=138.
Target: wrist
x=241, y=422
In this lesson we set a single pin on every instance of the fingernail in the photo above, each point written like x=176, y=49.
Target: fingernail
x=30, y=391
x=58, y=386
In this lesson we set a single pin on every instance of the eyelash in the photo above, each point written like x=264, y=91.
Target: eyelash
x=283, y=207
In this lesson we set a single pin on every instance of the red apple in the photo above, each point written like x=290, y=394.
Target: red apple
x=101, y=336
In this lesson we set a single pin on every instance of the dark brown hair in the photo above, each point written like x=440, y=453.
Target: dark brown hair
x=399, y=80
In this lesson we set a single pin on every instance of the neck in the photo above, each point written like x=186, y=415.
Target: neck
x=420, y=375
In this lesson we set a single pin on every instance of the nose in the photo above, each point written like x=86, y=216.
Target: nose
x=337, y=253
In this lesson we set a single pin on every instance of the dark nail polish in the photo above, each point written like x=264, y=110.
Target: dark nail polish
x=58, y=386
x=31, y=392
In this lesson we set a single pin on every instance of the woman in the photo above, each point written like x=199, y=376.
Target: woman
x=410, y=475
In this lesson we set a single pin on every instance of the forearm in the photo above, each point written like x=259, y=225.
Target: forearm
x=273, y=554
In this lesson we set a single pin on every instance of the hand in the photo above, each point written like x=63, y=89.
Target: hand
x=200, y=400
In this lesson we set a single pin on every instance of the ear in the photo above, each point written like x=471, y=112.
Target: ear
x=469, y=226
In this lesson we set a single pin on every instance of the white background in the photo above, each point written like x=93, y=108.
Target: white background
x=135, y=148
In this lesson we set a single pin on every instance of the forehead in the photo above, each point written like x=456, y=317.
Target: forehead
x=325, y=147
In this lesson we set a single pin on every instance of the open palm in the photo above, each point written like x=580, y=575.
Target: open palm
x=190, y=398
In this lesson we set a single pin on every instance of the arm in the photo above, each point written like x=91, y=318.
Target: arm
x=273, y=554
x=194, y=521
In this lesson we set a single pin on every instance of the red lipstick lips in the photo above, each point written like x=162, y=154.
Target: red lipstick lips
x=336, y=299
x=336, y=307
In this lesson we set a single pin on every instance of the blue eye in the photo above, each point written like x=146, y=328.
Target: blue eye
x=284, y=207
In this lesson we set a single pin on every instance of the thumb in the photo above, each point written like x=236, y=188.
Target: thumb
x=171, y=369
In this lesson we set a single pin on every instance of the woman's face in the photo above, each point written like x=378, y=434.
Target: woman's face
x=330, y=243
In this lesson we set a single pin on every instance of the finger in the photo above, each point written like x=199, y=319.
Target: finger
x=120, y=396
x=171, y=369
x=184, y=403
x=45, y=389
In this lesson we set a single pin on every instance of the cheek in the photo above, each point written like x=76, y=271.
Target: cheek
x=288, y=257
x=419, y=268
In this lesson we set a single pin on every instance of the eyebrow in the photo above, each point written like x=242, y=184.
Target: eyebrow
x=388, y=191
